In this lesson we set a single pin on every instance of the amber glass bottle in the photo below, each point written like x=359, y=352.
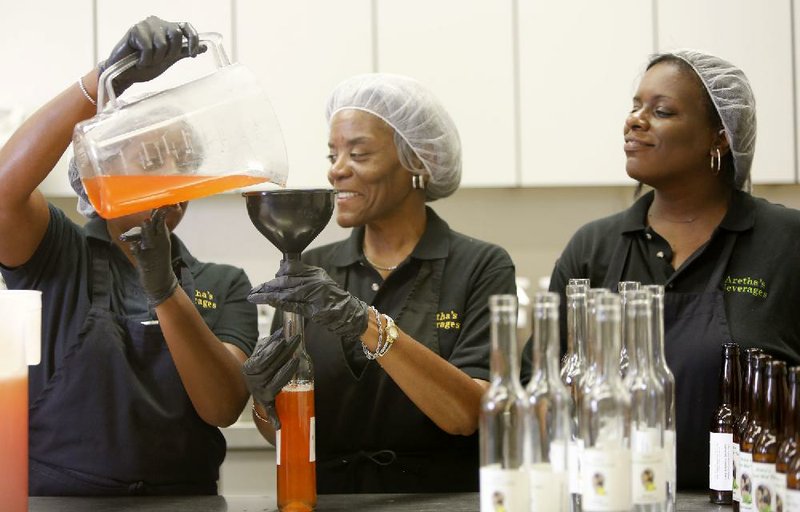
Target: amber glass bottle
x=751, y=433
x=792, y=497
x=742, y=420
x=788, y=448
x=765, y=448
x=720, y=462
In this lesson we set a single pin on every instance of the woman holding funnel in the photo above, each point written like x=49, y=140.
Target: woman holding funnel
x=399, y=414
x=728, y=260
x=135, y=375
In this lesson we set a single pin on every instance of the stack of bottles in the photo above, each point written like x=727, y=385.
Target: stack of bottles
x=753, y=460
x=595, y=433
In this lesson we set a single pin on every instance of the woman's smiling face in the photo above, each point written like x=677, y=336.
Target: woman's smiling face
x=365, y=168
x=668, y=134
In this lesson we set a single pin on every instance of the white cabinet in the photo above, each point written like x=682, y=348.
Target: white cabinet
x=579, y=62
x=757, y=37
x=463, y=50
x=300, y=50
x=46, y=47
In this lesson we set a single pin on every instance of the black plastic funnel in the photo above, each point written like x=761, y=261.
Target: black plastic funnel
x=290, y=219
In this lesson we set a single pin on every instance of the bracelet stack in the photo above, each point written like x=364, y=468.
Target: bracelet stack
x=387, y=334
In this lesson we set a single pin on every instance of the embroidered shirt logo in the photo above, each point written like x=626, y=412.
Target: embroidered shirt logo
x=448, y=320
x=751, y=285
x=205, y=299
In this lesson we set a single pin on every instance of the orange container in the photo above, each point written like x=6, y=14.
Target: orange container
x=296, y=457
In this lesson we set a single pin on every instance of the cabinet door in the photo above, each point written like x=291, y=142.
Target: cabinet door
x=463, y=50
x=115, y=18
x=301, y=50
x=757, y=37
x=48, y=45
x=579, y=63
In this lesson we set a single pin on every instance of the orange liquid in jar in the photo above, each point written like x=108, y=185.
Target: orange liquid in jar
x=14, y=444
x=297, y=475
x=115, y=196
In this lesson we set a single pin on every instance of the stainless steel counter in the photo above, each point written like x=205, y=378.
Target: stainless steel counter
x=687, y=502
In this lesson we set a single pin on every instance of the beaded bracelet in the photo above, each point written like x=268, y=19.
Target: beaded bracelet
x=85, y=92
x=374, y=355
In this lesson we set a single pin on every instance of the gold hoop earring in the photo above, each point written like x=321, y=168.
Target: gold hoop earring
x=716, y=168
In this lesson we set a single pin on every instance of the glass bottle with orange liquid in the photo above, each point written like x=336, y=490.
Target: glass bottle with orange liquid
x=757, y=396
x=788, y=448
x=765, y=449
x=742, y=420
x=296, y=455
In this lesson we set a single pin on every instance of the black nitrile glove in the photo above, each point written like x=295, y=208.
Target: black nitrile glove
x=309, y=291
x=152, y=248
x=159, y=45
x=269, y=369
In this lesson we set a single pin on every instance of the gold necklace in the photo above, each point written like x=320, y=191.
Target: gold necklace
x=687, y=221
x=378, y=267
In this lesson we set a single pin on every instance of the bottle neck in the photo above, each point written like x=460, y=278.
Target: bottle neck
x=576, y=326
x=545, y=342
x=773, y=396
x=638, y=333
x=657, y=333
x=728, y=376
x=504, y=363
x=790, y=417
x=606, y=343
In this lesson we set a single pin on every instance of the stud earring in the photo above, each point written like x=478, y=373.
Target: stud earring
x=417, y=182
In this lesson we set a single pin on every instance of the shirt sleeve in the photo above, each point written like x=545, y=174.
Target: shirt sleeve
x=472, y=350
x=238, y=323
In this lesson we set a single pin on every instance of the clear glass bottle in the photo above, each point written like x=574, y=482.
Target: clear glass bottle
x=503, y=474
x=295, y=441
x=750, y=436
x=667, y=380
x=648, y=474
x=572, y=375
x=742, y=421
x=624, y=287
x=723, y=422
x=550, y=410
x=605, y=418
x=788, y=448
x=765, y=448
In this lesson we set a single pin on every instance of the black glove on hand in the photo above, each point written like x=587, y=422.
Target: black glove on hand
x=152, y=248
x=159, y=45
x=269, y=368
x=309, y=291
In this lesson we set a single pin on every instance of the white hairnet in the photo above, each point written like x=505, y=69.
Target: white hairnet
x=423, y=129
x=732, y=96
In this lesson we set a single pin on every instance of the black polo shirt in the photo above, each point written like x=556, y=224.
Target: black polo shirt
x=60, y=268
x=474, y=270
x=761, y=282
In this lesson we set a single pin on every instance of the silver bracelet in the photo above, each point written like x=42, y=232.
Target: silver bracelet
x=255, y=412
x=374, y=355
x=85, y=92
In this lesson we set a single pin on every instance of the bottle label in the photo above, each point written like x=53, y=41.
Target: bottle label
x=606, y=479
x=737, y=496
x=763, y=487
x=746, y=480
x=792, y=500
x=278, y=447
x=720, y=462
x=547, y=489
x=312, y=436
x=558, y=456
x=648, y=471
x=671, y=465
x=503, y=489
x=573, y=466
x=779, y=484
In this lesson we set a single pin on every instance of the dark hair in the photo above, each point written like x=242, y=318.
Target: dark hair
x=728, y=170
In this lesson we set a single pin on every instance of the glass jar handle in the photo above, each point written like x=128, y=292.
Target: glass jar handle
x=107, y=90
